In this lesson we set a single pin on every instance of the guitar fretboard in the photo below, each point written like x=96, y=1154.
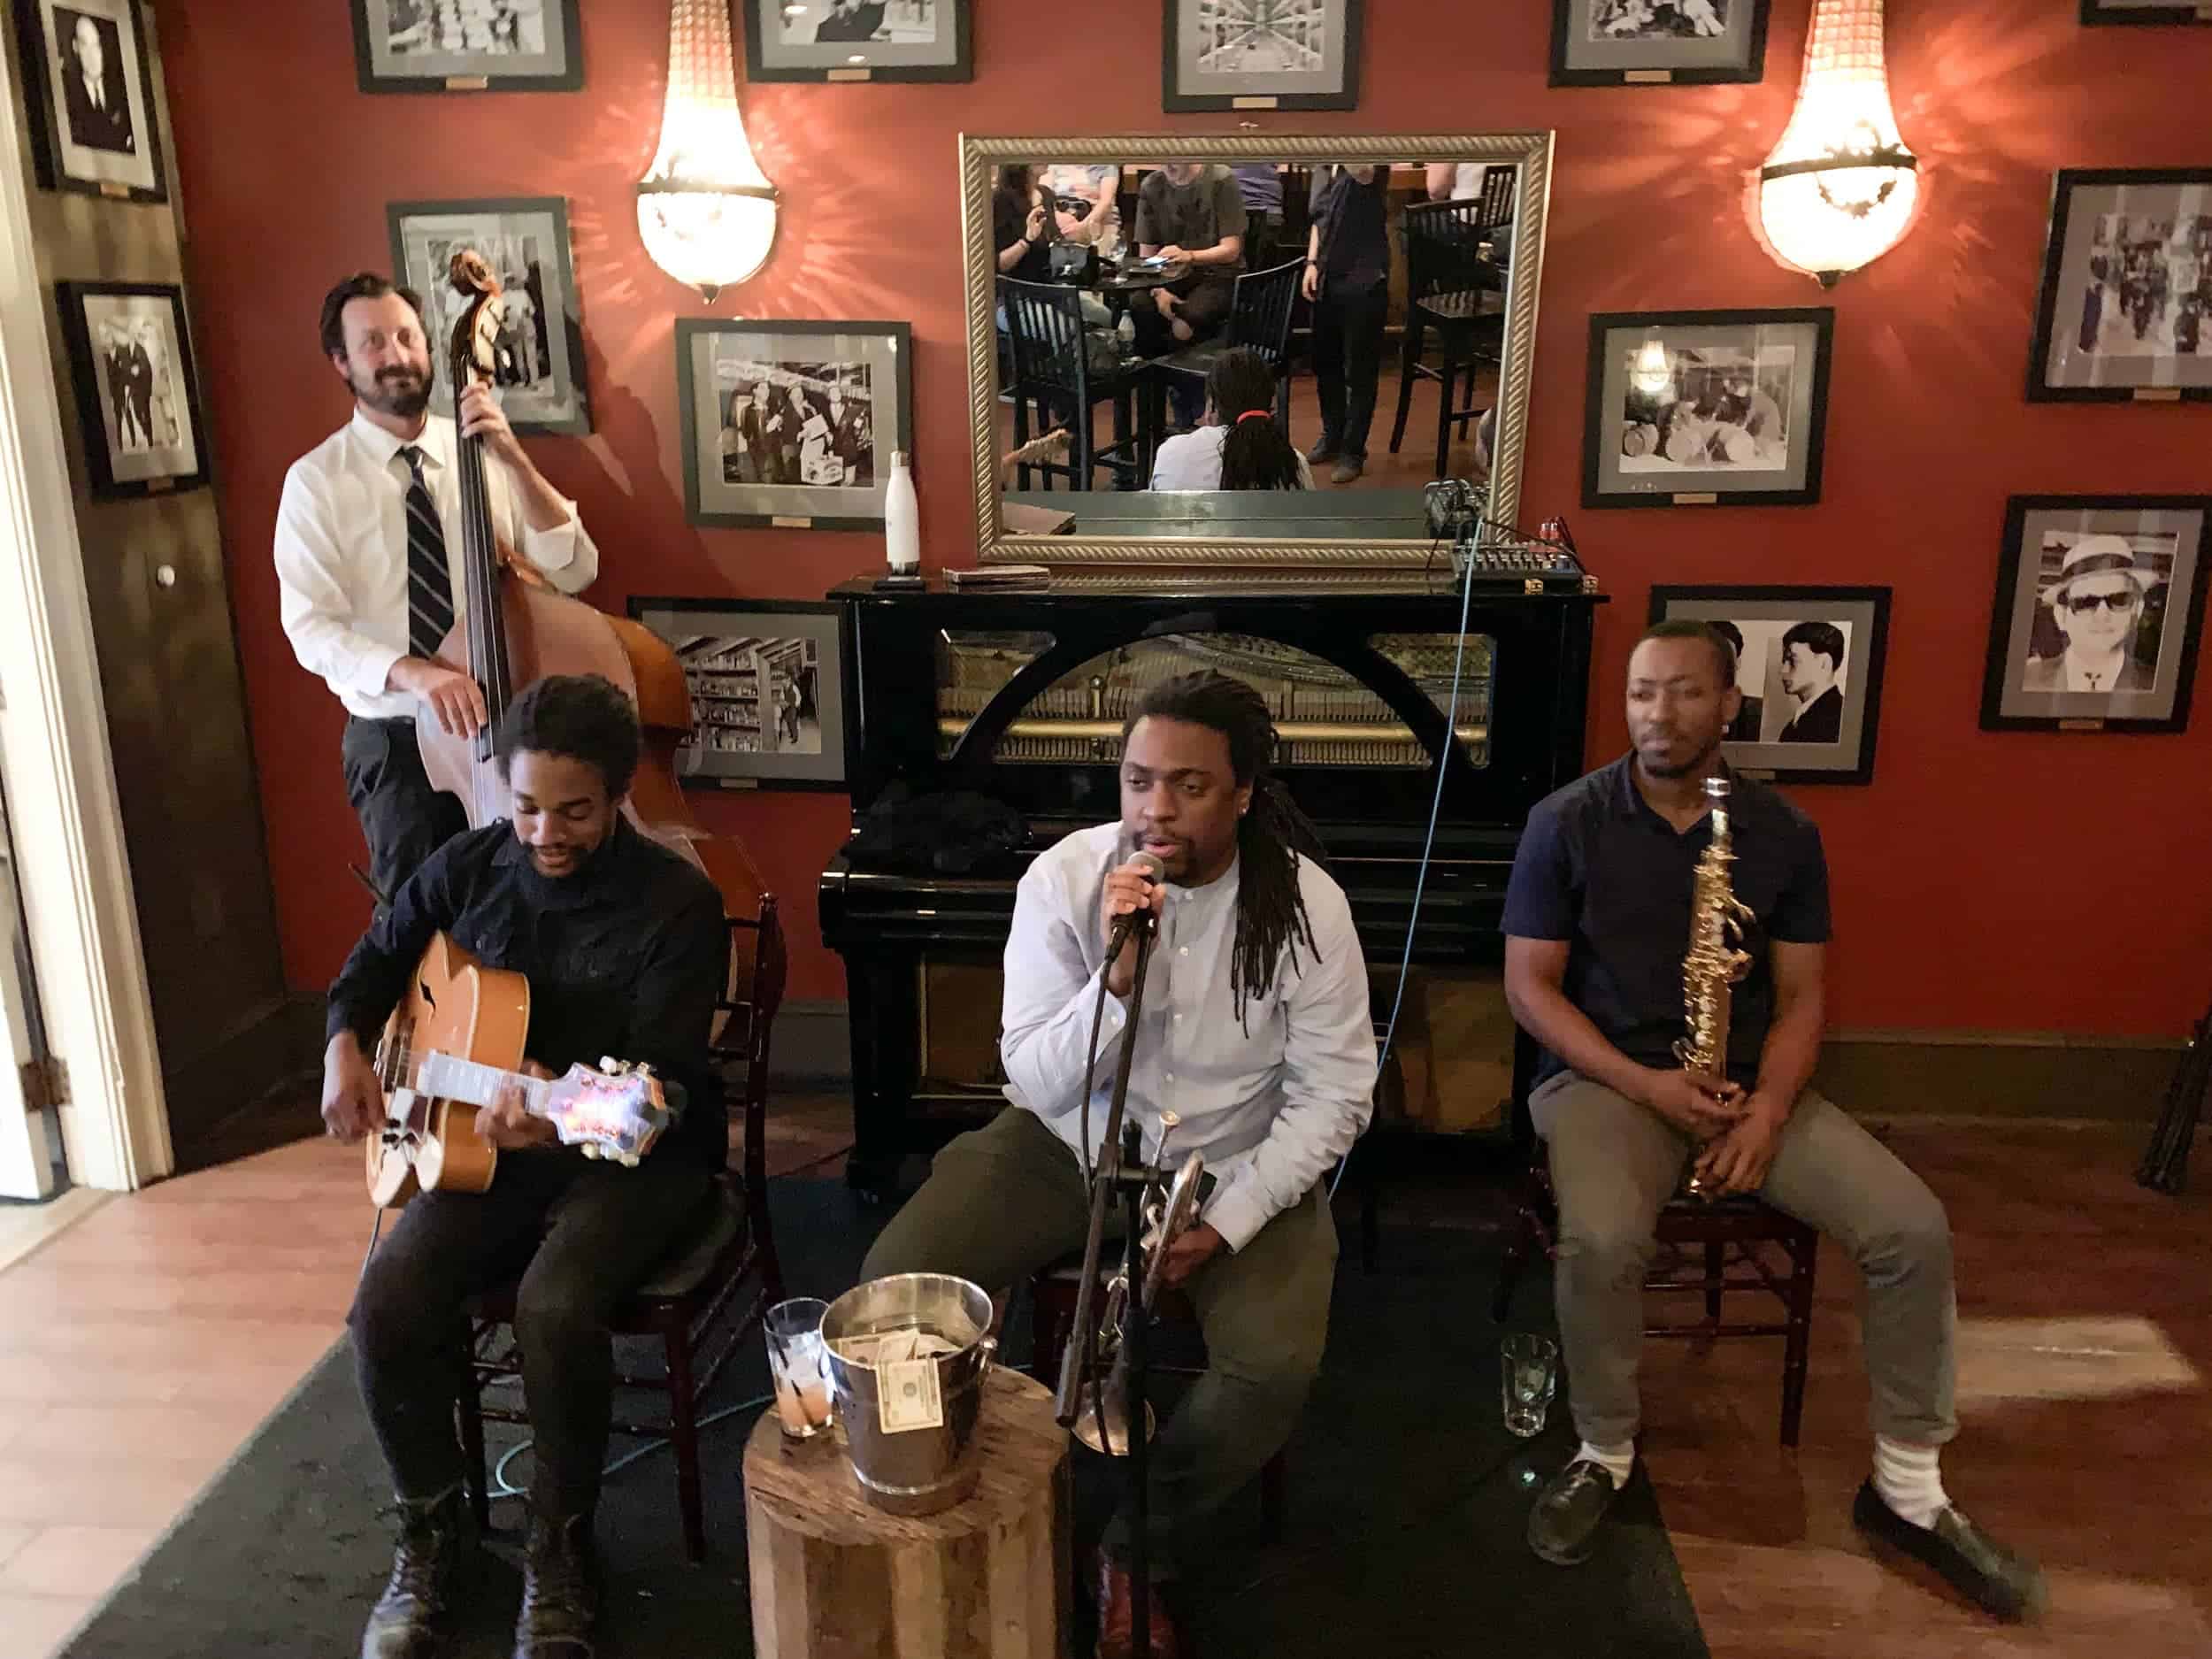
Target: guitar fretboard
x=443, y=1077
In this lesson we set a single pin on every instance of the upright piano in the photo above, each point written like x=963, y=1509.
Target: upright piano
x=1020, y=696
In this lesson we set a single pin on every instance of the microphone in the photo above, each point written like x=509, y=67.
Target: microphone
x=1154, y=872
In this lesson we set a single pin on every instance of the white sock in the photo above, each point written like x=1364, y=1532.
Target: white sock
x=1616, y=1461
x=1909, y=1481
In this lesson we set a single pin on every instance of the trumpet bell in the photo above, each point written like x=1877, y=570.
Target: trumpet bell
x=1111, y=1440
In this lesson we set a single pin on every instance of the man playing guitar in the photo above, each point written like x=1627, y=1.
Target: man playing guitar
x=626, y=951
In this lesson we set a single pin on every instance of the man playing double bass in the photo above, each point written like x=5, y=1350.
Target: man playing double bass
x=362, y=534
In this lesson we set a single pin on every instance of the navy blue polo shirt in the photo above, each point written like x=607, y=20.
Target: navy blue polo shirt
x=1599, y=868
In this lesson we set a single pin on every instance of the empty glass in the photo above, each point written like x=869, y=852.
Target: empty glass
x=798, y=1367
x=1528, y=1368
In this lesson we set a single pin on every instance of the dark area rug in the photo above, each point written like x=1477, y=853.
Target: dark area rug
x=1406, y=1504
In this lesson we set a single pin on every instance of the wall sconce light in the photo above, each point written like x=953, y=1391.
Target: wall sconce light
x=1839, y=188
x=705, y=210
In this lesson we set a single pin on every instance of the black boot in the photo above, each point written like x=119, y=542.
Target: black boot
x=560, y=1601
x=408, y=1621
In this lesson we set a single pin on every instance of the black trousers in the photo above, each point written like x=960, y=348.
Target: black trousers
x=581, y=1235
x=1205, y=303
x=1348, y=352
x=404, y=819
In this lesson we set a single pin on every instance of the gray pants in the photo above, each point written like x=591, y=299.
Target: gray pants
x=1615, y=1163
x=1005, y=1200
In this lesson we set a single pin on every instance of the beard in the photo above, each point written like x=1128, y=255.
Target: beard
x=403, y=392
x=1664, y=768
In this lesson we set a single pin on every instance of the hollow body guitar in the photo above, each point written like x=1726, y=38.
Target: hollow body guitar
x=453, y=1044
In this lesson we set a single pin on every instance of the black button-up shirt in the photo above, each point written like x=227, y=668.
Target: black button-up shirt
x=626, y=957
x=1599, y=868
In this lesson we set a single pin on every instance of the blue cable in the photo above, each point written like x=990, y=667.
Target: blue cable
x=1428, y=846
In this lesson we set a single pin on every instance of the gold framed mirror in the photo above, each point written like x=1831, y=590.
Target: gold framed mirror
x=1068, y=243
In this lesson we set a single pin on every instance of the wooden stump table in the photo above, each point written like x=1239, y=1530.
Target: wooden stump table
x=835, y=1578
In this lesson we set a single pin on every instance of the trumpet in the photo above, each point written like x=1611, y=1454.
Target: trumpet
x=1171, y=1208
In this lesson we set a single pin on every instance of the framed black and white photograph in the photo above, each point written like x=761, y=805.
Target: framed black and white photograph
x=1809, y=667
x=2096, y=11
x=767, y=684
x=91, y=94
x=538, y=360
x=467, y=45
x=1260, y=55
x=2125, y=314
x=2099, y=613
x=1706, y=408
x=792, y=424
x=131, y=362
x=1658, y=42
x=859, y=40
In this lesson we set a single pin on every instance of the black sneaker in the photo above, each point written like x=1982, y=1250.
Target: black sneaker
x=1322, y=451
x=2003, y=1581
x=408, y=1619
x=560, y=1601
x=1563, y=1528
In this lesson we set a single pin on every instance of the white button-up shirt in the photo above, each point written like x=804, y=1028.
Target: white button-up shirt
x=1271, y=1111
x=342, y=552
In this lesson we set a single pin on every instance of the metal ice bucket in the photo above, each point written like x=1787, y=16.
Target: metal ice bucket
x=915, y=1471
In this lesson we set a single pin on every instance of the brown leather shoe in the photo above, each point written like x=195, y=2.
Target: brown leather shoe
x=1117, y=1599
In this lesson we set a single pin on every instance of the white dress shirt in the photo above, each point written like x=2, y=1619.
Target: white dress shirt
x=1192, y=460
x=342, y=552
x=1273, y=1111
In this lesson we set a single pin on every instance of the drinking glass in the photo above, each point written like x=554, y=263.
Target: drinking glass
x=798, y=1366
x=1529, y=1372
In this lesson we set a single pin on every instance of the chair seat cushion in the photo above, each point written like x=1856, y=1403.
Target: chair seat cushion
x=718, y=1223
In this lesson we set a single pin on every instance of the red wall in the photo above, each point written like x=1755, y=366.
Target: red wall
x=1975, y=865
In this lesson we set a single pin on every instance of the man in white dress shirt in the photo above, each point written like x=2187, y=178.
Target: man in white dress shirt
x=1254, y=1026
x=367, y=532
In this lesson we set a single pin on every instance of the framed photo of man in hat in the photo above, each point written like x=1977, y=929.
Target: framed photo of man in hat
x=2099, y=613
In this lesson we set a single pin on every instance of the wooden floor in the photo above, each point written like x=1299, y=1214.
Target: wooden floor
x=141, y=1346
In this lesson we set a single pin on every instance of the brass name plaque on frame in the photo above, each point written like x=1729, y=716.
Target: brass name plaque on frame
x=467, y=83
x=2158, y=394
x=780, y=522
x=1695, y=498
x=850, y=74
x=1647, y=77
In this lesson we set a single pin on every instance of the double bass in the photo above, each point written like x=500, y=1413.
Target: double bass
x=515, y=629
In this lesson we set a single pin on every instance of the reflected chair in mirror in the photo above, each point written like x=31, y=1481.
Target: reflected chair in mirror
x=1060, y=377
x=1447, y=285
x=694, y=1302
x=1259, y=320
x=1744, y=1244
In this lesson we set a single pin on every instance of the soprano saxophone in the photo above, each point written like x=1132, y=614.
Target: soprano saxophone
x=1717, y=958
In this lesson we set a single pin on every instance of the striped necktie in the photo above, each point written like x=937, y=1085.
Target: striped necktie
x=429, y=579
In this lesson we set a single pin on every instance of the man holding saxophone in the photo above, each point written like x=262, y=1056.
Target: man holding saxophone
x=1254, y=1029
x=1597, y=919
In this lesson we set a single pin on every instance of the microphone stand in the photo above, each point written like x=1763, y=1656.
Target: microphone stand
x=1121, y=1170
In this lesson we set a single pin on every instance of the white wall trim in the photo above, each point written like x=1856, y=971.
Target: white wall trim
x=68, y=824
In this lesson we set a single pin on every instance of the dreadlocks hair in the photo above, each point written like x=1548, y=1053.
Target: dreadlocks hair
x=1272, y=837
x=1254, y=455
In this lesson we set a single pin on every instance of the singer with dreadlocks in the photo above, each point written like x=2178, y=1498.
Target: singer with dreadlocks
x=1254, y=1026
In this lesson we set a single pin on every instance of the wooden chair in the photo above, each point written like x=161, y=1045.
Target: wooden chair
x=1737, y=1236
x=1447, y=283
x=1052, y=1293
x=693, y=1302
x=1053, y=379
x=1259, y=321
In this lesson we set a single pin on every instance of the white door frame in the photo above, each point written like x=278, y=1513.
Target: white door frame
x=68, y=824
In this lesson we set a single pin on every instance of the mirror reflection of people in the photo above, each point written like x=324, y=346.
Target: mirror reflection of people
x=93, y=93
x=1188, y=213
x=1347, y=280
x=1745, y=727
x=1238, y=446
x=1812, y=656
x=2097, y=603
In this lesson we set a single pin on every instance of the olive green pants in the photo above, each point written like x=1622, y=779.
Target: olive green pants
x=1003, y=1201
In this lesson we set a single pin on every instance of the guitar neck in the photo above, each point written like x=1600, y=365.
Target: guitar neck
x=442, y=1077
